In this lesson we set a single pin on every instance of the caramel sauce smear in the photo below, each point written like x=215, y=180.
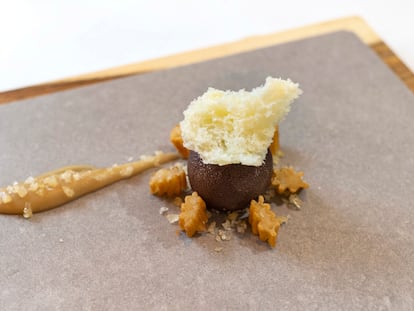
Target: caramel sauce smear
x=63, y=185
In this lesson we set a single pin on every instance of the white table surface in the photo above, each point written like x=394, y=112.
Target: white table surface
x=46, y=40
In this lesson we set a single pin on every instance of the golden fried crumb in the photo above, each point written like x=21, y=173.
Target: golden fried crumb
x=264, y=222
x=177, y=140
x=193, y=216
x=170, y=182
x=287, y=178
x=274, y=147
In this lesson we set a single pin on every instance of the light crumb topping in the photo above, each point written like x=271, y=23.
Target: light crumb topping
x=29, y=180
x=40, y=192
x=20, y=190
x=33, y=186
x=227, y=225
x=69, y=192
x=127, y=171
x=5, y=197
x=51, y=181
x=66, y=176
x=101, y=176
x=76, y=176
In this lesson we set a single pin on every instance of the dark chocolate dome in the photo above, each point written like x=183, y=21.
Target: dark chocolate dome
x=229, y=187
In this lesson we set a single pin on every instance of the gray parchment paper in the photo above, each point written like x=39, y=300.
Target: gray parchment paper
x=351, y=247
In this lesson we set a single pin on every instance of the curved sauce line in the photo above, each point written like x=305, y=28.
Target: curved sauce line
x=63, y=185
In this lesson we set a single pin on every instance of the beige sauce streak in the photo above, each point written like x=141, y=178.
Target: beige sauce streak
x=63, y=185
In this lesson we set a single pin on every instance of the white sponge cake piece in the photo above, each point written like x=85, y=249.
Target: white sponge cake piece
x=227, y=127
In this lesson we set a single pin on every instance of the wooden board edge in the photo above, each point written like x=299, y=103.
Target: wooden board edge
x=354, y=24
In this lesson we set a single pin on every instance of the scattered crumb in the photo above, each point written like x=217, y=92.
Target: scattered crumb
x=163, y=210
x=212, y=228
x=241, y=227
x=224, y=235
x=227, y=225
x=172, y=218
x=27, y=211
x=60, y=240
x=295, y=201
x=233, y=216
x=218, y=249
x=130, y=159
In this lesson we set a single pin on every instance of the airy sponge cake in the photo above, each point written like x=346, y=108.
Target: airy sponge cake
x=228, y=127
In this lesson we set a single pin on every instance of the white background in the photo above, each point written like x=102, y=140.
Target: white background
x=44, y=40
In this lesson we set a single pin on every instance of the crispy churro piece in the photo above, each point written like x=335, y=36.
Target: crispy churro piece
x=193, y=216
x=177, y=140
x=168, y=181
x=287, y=178
x=264, y=221
x=64, y=185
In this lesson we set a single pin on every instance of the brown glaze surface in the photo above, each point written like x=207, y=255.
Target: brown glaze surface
x=228, y=187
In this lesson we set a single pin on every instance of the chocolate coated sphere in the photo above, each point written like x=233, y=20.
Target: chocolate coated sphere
x=229, y=187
